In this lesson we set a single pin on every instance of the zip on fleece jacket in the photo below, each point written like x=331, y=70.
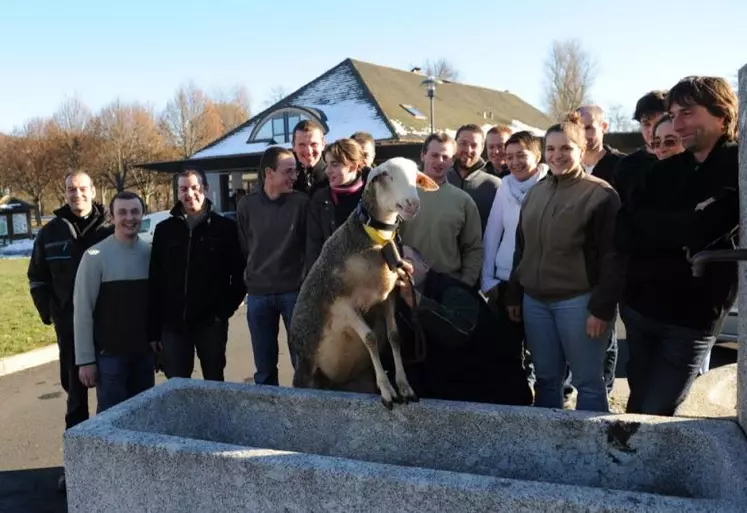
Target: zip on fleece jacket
x=565, y=244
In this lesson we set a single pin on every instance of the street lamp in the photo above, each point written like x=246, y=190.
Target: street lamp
x=430, y=83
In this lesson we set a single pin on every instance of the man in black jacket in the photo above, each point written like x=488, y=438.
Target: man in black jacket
x=690, y=203
x=461, y=356
x=631, y=169
x=58, y=249
x=195, y=282
x=308, y=148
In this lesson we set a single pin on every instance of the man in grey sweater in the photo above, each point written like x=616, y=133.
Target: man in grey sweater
x=272, y=235
x=110, y=305
x=469, y=171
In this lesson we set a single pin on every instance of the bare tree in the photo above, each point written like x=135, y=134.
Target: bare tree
x=232, y=107
x=441, y=68
x=619, y=119
x=190, y=120
x=28, y=158
x=569, y=73
x=125, y=135
x=277, y=93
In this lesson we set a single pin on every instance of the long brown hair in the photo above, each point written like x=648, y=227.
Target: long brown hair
x=347, y=152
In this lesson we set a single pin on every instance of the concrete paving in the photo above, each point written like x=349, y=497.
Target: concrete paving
x=33, y=406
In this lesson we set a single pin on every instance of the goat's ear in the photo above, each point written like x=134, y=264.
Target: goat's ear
x=425, y=182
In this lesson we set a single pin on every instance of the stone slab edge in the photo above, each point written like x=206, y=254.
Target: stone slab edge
x=29, y=359
x=742, y=358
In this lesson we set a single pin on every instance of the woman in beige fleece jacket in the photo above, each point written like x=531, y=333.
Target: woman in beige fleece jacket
x=567, y=277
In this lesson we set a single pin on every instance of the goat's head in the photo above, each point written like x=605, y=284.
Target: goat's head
x=394, y=185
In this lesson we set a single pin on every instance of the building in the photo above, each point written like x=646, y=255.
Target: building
x=15, y=219
x=391, y=104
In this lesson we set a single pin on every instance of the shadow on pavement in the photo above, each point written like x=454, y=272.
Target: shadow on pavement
x=31, y=491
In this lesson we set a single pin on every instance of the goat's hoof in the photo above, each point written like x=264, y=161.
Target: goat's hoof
x=387, y=403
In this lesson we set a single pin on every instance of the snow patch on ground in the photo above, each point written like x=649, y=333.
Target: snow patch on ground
x=17, y=248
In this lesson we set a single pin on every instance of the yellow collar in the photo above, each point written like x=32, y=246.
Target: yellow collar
x=379, y=236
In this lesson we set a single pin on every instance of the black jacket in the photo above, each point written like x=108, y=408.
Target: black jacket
x=324, y=217
x=630, y=173
x=684, y=205
x=465, y=357
x=58, y=249
x=311, y=179
x=194, y=277
x=605, y=168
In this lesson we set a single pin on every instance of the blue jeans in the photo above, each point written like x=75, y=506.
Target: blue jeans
x=556, y=335
x=664, y=361
x=263, y=315
x=610, y=363
x=122, y=377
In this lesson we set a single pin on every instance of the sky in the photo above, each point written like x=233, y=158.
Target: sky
x=140, y=50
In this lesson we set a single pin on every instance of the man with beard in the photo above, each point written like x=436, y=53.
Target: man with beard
x=58, y=249
x=272, y=233
x=446, y=231
x=690, y=203
x=495, y=144
x=469, y=171
x=308, y=147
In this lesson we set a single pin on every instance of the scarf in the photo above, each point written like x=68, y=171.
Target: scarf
x=350, y=188
x=519, y=189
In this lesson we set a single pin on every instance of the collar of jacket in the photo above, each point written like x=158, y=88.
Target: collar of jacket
x=566, y=179
x=178, y=210
x=476, y=167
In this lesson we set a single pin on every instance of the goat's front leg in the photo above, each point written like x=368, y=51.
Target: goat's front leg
x=400, y=377
x=356, y=322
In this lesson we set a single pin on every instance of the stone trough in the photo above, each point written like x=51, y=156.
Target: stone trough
x=190, y=445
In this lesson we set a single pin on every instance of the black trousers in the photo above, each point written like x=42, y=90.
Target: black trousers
x=209, y=341
x=77, y=394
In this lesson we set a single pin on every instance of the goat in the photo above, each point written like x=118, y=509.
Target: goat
x=346, y=300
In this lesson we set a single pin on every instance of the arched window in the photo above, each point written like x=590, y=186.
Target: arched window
x=278, y=125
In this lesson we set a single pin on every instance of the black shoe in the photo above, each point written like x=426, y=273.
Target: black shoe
x=61, y=488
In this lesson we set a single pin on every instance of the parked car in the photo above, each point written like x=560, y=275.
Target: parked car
x=148, y=225
x=730, y=329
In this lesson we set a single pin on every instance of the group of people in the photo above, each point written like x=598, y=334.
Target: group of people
x=521, y=262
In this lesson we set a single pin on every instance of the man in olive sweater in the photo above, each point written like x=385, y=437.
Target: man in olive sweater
x=110, y=306
x=446, y=231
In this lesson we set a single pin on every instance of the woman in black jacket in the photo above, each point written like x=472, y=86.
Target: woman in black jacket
x=333, y=204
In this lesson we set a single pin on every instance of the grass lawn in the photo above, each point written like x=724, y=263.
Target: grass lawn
x=21, y=328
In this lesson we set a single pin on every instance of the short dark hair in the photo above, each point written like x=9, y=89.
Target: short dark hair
x=713, y=93
x=125, y=195
x=470, y=128
x=650, y=104
x=363, y=138
x=306, y=125
x=528, y=141
x=270, y=159
x=194, y=170
x=441, y=137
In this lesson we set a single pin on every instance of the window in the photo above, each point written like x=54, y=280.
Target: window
x=412, y=110
x=144, y=225
x=280, y=126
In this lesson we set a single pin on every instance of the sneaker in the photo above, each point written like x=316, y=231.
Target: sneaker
x=61, y=484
